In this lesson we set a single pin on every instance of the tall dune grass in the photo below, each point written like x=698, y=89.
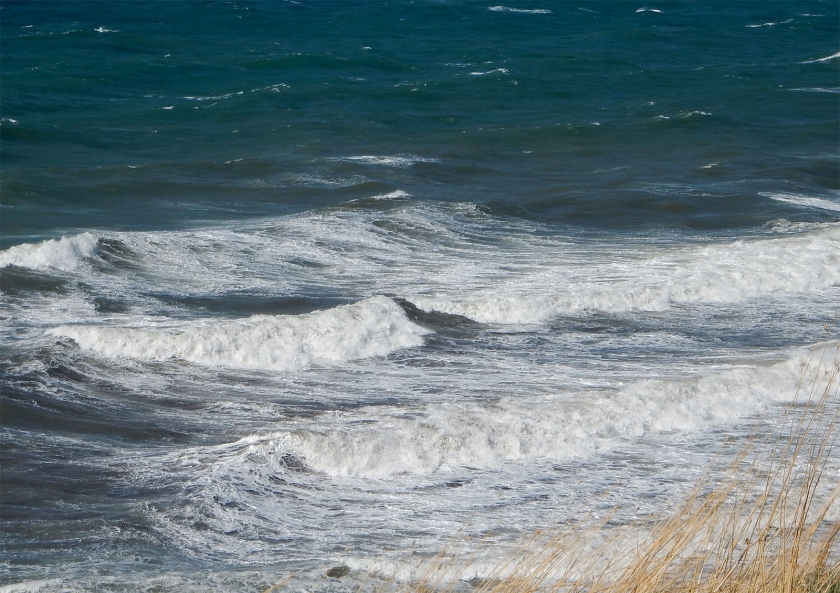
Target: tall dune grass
x=767, y=522
x=761, y=524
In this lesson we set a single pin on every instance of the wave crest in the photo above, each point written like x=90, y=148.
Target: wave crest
x=451, y=436
x=67, y=253
x=373, y=327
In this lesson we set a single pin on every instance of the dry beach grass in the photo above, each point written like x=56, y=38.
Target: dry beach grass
x=768, y=521
x=761, y=524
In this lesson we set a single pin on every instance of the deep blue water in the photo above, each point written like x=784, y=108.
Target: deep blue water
x=291, y=284
x=556, y=116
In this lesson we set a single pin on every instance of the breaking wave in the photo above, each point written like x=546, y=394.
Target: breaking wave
x=373, y=327
x=446, y=437
x=67, y=253
x=720, y=273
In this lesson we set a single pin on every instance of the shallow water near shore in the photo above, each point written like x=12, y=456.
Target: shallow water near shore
x=291, y=286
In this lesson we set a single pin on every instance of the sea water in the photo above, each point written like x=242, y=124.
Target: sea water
x=295, y=285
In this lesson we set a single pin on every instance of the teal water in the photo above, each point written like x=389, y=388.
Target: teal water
x=151, y=114
x=287, y=285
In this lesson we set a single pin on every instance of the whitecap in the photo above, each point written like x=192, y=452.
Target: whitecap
x=825, y=59
x=769, y=24
x=373, y=327
x=272, y=87
x=309, y=180
x=818, y=90
x=213, y=97
x=521, y=10
x=388, y=161
x=499, y=70
x=66, y=253
x=477, y=435
x=807, y=201
x=717, y=273
x=647, y=9
x=395, y=196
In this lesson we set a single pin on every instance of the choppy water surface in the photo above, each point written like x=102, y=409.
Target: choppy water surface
x=294, y=285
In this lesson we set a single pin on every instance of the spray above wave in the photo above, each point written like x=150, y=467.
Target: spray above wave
x=67, y=253
x=373, y=327
x=713, y=274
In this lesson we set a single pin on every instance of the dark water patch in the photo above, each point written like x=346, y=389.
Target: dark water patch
x=356, y=64
x=307, y=263
x=375, y=203
x=117, y=254
x=245, y=304
x=629, y=209
x=108, y=305
x=294, y=464
x=65, y=373
x=17, y=281
x=24, y=404
x=436, y=320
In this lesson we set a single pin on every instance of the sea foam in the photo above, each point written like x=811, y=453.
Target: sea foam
x=446, y=437
x=825, y=59
x=807, y=201
x=398, y=161
x=66, y=253
x=718, y=273
x=373, y=327
x=520, y=10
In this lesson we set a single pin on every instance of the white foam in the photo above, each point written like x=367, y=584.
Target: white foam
x=388, y=161
x=818, y=90
x=373, y=327
x=395, y=196
x=647, y=9
x=272, y=87
x=655, y=280
x=499, y=70
x=825, y=59
x=522, y=10
x=769, y=24
x=67, y=253
x=446, y=437
x=214, y=97
x=104, y=30
x=308, y=180
x=807, y=201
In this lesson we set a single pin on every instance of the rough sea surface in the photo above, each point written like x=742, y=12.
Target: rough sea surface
x=286, y=286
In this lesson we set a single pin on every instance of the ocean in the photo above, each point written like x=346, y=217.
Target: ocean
x=290, y=286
